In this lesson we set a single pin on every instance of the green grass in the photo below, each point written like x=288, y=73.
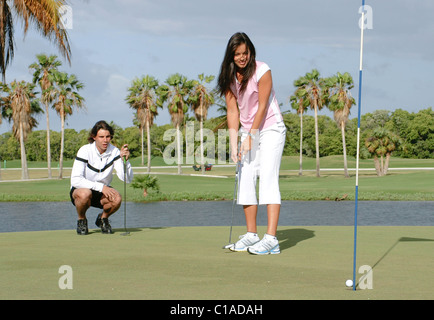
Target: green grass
x=414, y=185
x=170, y=263
x=288, y=163
x=405, y=186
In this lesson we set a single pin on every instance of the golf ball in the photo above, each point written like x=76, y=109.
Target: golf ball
x=349, y=283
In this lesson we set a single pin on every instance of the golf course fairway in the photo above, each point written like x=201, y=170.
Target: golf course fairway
x=188, y=263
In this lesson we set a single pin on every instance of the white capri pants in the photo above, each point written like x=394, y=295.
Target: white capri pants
x=262, y=161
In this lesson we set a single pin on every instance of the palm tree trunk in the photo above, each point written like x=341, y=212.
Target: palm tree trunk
x=178, y=149
x=48, y=142
x=202, y=162
x=141, y=137
x=377, y=166
x=24, y=169
x=62, y=142
x=316, y=139
x=300, y=172
x=148, y=140
x=344, y=148
x=382, y=165
x=386, y=164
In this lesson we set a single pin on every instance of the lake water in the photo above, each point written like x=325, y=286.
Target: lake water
x=37, y=216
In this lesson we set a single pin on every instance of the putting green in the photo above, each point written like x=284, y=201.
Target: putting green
x=189, y=263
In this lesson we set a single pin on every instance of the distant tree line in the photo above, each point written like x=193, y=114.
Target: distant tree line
x=416, y=132
x=399, y=132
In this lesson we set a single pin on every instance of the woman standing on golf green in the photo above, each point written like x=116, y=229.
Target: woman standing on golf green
x=248, y=89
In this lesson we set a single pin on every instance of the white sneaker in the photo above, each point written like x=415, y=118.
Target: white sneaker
x=268, y=245
x=245, y=241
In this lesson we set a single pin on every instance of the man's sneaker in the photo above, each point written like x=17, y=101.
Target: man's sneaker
x=106, y=227
x=82, y=227
x=104, y=224
x=268, y=245
x=98, y=221
x=245, y=241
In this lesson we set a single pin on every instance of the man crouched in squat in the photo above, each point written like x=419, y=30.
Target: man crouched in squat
x=92, y=173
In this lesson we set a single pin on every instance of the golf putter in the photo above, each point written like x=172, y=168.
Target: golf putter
x=237, y=180
x=126, y=233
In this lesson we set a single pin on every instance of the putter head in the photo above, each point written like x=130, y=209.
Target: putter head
x=228, y=246
x=125, y=234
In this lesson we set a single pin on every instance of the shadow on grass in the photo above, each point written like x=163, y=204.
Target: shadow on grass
x=291, y=237
x=134, y=230
x=123, y=230
x=402, y=239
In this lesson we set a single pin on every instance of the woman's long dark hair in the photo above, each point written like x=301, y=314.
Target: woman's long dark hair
x=228, y=68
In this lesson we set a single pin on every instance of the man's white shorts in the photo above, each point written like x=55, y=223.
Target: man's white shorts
x=262, y=161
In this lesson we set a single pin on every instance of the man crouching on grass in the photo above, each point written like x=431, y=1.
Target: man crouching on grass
x=92, y=173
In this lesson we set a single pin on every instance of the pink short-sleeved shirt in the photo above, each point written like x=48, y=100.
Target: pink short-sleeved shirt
x=248, y=101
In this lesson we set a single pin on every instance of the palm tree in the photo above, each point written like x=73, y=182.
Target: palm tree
x=340, y=102
x=380, y=143
x=45, y=17
x=19, y=105
x=223, y=110
x=65, y=95
x=312, y=89
x=176, y=94
x=143, y=98
x=201, y=99
x=300, y=104
x=3, y=111
x=44, y=68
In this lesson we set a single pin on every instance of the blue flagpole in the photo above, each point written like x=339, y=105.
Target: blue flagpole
x=358, y=145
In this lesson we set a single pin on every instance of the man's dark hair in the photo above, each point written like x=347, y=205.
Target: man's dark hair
x=98, y=126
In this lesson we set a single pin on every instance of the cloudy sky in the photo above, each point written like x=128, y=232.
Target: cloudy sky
x=114, y=41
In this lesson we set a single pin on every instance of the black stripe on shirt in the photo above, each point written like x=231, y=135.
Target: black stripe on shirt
x=108, y=165
x=81, y=159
